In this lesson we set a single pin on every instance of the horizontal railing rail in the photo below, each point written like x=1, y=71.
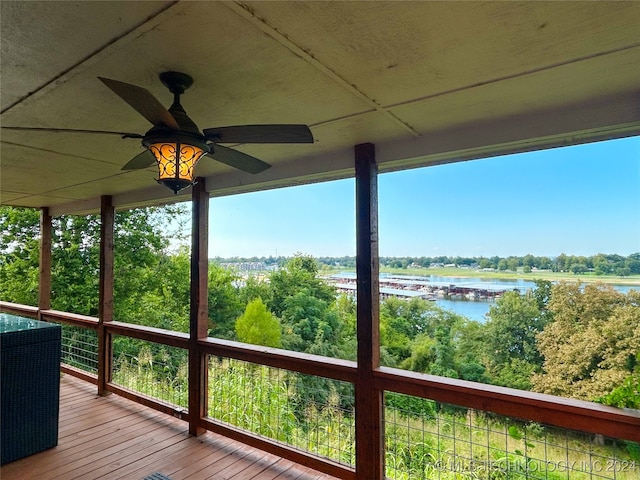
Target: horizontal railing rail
x=18, y=309
x=150, y=334
x=69, y=318
x=333, y=368
x=557, y=411
x=623, y=424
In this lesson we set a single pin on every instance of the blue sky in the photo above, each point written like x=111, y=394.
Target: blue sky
x=578, y=200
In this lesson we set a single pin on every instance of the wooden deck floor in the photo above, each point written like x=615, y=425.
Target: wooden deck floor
x=114, y=438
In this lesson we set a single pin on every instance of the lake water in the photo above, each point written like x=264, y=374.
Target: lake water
x=475, y=310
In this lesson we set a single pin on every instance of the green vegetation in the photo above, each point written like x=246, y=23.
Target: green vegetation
x=259, y=326
x=588, y=277
x=569, y=339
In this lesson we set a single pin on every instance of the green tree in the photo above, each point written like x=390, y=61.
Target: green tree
x=19, y=254
x=544, y=263
x=420, y=336
x=444, y=363
x=469, y=338
x=224, y=302
x=627, y=395
x=422, y=354
x=485, y=263
x=511, y=346
x=300, y=273
x=633, y=263
x=401, y=321
x=345, y=307
x=560, y=264
x=255, y=287
x=578, y=268
x=513, y=263
x=305, y=304
x=304, y=263
x=259, y=326
x=140, y=241
x=310, y=325
x=149, y=286
x=75, y=264
x=591, y=346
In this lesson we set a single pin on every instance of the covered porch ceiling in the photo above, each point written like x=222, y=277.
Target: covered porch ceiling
x=427, y=82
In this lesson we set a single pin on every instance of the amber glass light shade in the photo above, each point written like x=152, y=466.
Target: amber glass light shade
x=176, y=162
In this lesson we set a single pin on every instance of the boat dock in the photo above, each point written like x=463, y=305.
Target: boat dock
x=395, y=286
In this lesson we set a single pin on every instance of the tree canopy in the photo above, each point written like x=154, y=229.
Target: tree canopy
x=258, y=325
x=592, y=345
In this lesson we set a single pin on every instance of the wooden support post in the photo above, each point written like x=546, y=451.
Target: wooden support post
x=369, y=400
x=199, y=313
x=44, y=283
x=105, y=314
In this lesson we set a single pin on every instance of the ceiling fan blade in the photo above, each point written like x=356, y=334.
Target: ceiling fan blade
x=142, y=160
x=276, y=133
x=143, y=102
x=238, y=160
x=74, y=130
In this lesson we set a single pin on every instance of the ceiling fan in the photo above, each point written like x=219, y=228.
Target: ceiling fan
x=175, y=142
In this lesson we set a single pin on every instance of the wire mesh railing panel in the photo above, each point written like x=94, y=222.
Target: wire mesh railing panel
x=80, y=348
x=154, y=370
x=310, y=413
x=429, y=440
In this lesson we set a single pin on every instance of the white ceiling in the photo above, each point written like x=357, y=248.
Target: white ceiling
x=426, y=82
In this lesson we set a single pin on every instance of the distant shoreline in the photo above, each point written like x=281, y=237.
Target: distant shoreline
x=633, y=280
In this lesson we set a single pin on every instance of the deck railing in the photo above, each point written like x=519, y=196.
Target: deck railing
x=435, y=427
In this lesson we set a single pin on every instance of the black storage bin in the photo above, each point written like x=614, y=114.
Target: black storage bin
x=29, y=386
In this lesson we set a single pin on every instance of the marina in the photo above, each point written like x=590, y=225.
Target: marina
x=412, y=287
x=469, y=297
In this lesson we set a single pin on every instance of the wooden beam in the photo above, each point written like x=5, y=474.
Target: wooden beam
x=199, y=312
x=105, y=315
x=44, y=283
x=369, y=400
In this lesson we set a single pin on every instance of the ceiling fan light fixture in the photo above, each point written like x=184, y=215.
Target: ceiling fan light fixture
x=176, y=158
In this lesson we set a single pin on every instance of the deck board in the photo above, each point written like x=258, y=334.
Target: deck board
x=113, y=438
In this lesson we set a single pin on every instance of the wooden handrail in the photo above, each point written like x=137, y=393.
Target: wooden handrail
x=548, y=409
x=306, y=363
x=18, y=309
x=69, y=318
x=150, y=334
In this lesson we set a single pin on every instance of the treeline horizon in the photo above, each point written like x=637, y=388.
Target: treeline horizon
x=599, y=264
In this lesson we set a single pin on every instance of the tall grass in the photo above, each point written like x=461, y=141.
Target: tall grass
x=80, y=348
x=158, y=371
x=309, y=413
